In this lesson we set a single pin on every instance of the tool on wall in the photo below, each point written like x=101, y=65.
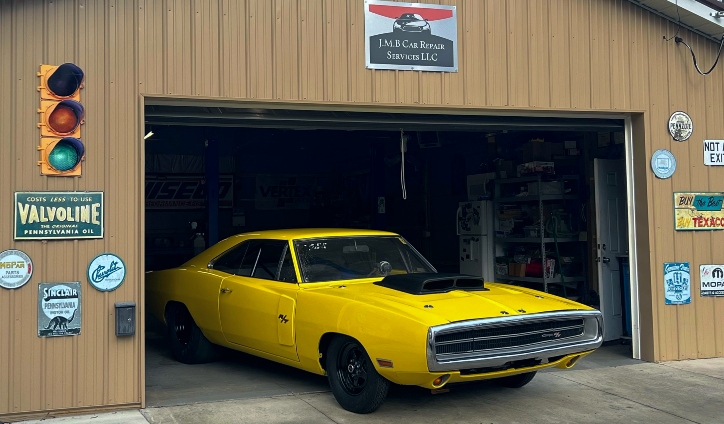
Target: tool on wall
x=403, y=149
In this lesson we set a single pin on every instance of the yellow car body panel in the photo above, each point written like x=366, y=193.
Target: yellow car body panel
x=288, y=322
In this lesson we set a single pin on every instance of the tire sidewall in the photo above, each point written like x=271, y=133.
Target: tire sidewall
x=376, y=386
x=182, y=353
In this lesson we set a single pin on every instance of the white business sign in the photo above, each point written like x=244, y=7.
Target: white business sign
x=712, y=280
x=714, y=152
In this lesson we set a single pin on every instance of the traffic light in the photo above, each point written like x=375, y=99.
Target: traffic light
x=61, y=117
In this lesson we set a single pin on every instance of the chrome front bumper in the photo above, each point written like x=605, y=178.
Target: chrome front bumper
x=541, y=344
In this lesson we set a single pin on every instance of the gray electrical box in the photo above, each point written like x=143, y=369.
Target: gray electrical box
x=125, y=318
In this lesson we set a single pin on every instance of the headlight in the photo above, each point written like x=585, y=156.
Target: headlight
x=397, y=25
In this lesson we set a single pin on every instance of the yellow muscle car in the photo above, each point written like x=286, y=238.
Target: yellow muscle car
x=366, y=309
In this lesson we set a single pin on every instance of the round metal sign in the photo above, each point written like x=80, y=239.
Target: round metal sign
x=106, y=272
x=663, y=163
x=680, y=126
x=16, y=268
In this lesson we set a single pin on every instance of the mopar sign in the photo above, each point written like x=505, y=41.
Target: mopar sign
x=187, y=192
x=712, y=280
x=410, y=36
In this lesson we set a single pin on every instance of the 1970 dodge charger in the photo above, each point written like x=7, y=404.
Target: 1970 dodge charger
x=366, y=309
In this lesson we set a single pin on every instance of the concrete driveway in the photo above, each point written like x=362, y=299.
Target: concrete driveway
x=682, y=392
x=605, y=387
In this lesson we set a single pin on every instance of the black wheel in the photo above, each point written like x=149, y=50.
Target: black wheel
x=515, y=381
x=355, y=382
x=188, y=344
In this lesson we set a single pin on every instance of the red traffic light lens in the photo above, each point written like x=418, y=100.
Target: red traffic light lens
x=65, y=80
x=65, y=117
x=66, y=154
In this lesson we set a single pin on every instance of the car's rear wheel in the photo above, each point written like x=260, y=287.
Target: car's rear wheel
x=516, y=381
x=188, y=343
x=355, y=383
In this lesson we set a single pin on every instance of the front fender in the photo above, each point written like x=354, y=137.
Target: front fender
x=384, y=333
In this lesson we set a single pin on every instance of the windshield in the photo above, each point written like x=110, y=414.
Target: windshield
x=350, y=258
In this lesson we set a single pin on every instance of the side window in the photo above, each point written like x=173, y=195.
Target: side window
x=230, y=261
x=269, y=259
x=287, y=273
x=252, y=254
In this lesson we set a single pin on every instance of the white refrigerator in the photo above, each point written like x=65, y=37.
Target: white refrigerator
x=475, y=230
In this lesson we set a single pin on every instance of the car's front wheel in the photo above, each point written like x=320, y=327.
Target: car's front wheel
x=188, y=343
x=355, y=383
x=515, y=381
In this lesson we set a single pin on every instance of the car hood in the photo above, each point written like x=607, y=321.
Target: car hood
x=457, y=305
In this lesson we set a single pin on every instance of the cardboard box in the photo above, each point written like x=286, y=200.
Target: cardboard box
x=516, y=270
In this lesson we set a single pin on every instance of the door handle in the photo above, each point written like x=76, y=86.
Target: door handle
x=225, y=290
x=606, y=260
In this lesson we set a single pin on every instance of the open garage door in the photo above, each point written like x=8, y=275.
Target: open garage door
x=218, y=169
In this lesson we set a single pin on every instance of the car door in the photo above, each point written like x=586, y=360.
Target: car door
x=257, y=301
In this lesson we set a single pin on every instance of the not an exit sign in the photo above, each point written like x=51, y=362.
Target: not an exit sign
x=714, y=152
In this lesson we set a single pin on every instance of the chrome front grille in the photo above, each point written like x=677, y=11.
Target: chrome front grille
x=507, y=336
x=494, y=342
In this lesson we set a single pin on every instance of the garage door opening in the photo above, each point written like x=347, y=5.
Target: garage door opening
x=537, y=202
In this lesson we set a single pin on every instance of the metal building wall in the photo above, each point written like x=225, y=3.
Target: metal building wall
x=96, y=367
x=544, y=55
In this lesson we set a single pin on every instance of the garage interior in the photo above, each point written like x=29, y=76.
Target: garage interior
x=535, y=187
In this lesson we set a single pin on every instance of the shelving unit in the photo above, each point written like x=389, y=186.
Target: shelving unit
x=540, y=200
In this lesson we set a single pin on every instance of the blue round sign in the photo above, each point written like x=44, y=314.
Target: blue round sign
x=106, y=272
x=663, y=163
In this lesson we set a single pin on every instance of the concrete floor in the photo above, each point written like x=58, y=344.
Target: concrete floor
x=605, y=387
x=240, y=376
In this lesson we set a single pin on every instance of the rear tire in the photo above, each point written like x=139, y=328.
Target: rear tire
x=355, y=383
x=515, y=381
x=188, y=343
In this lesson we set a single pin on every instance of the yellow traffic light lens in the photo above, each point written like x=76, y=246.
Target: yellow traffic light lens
x=66, y=154
x=63, y=119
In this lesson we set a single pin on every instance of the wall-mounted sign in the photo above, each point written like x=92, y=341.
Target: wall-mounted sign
x=663, y=163
x=410, y=36
x=185, y=192
x=284, y=191
x=59, y=309
x=714, y=152
x=106, y=272
x=680, y=126
x=712, y=280
x=50, y=215
x=698, y=211
x=16, y=268
x=677, y=283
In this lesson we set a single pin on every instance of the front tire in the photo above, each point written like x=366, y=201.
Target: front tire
x=355, y=383
x=515, y=381
x=188, y=343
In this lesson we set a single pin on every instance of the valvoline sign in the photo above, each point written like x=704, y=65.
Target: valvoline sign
x=410, y=36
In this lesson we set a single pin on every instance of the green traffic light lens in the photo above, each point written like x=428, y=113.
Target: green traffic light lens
x=64, y=156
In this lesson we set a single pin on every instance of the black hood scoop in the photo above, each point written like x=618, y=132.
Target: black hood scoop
x=429, y=283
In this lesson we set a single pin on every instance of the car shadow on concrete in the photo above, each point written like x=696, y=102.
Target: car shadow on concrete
x=237, y=375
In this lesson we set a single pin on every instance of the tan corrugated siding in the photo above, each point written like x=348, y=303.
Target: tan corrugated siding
x=567, y=55
x=94, y=368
